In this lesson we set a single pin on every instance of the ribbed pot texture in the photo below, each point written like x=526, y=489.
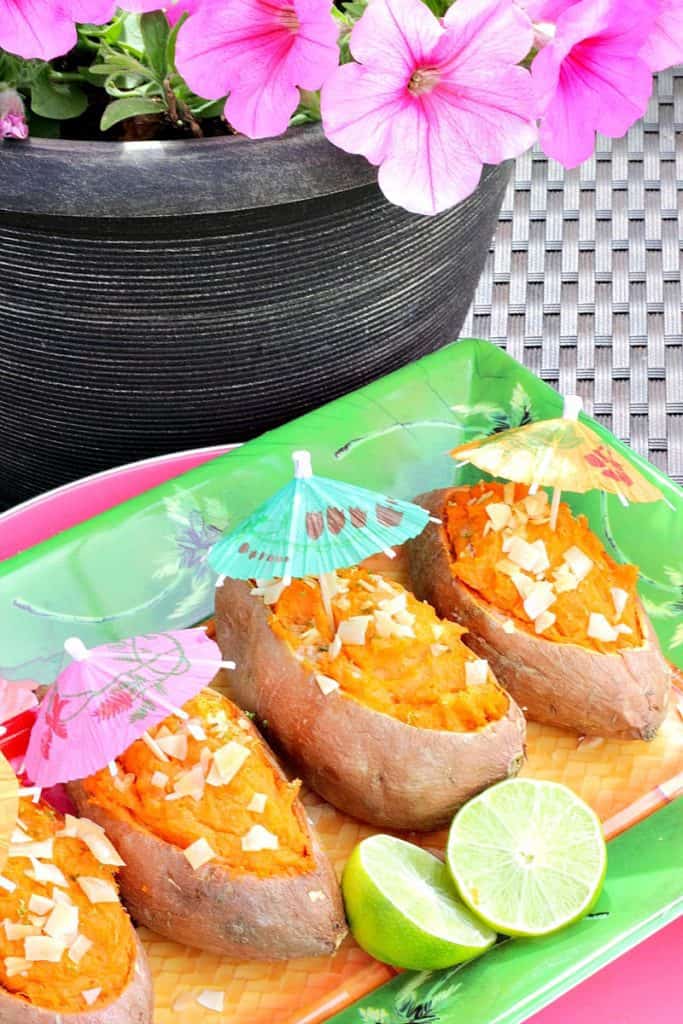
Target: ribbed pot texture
x=162, y=296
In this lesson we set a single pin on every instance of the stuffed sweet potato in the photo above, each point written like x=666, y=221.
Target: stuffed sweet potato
x=383, y=710
x=217, y=848
x=559, y=620
x=68, y=951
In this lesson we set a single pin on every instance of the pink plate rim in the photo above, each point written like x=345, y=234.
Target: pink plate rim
x=51, y=512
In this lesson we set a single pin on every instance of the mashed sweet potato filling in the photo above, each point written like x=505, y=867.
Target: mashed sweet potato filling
x=560, y=584
x=95, y=938
x=179, y=792
x=388, y=651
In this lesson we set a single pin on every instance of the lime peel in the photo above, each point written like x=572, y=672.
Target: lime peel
x=527, y=856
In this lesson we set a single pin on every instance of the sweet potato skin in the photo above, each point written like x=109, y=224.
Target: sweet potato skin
x=622, y=695
x=368, y=764
x=135, y=1005
x=241, y=917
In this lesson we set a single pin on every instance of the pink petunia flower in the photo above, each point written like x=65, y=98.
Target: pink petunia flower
x=12, y=122
x=589, y=76
x=664, y=46
x=45, y=29
x=431, y=101
x=176, y=8
x=259, y=51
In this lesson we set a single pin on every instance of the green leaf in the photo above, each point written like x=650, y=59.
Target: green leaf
x=172, y=40
x=57, y=100
x=155, y=32
x=132, y=106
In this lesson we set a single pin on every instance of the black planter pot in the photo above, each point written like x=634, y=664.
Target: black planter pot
x=160, y=296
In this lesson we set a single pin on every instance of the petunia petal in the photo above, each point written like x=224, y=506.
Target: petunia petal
x=485, y=31
x=395, y=36
x=493, y=109
x=564, y=136
x=664, y=46
x=430, y=169
x=36, y=29
x=262, y=107
x=357, y=107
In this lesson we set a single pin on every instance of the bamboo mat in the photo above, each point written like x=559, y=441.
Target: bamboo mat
x=583, y=285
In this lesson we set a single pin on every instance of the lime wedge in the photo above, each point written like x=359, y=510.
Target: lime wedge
x=527, y=856
x=403, y=909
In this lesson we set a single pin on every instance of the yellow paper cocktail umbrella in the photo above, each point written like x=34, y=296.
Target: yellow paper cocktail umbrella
x=563, y=453
x=9, y=807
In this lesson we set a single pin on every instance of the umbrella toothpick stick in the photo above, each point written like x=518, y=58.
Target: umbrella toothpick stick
x=555, y=507
x=573, y=405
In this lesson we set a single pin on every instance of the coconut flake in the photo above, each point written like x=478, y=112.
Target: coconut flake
x=315, y=895
x=79, y=948
x=523, y=584
x=98, y=890
x=544, y=621
x=7, y=884
x=438, y=649
x=99, y=845
x=257, y=804
x=540, y=598
x=174, y=745
x=59, y=896
x=334, y=650
x=600, y=629
x=579, y=563
x=499, y=515
x=150, y=742
x=437, y=631
x=16, y=932
x=259, y=838
x=19, y=837
x=620, y=599
x=199, y=853
x=353, y=630
x=16, y=965
x=564, y=578
x=624, y=629
x=40, y=904
x=46, y=873
x=62, y=923
x=394, y=604
x=509, y=626
x=536, y=505
x=211, y=999
x=91, y=995
x=326, y=683
x=227, y=761
x=42, y=850
x=190, y=783
x=529, y=557
x=43, y=948
x=476, y=672
x=159, y=780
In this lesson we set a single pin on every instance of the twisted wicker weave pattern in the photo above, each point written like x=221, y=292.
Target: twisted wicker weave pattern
x=584, y=282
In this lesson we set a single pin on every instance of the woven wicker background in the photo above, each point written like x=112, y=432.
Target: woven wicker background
x=584, y=282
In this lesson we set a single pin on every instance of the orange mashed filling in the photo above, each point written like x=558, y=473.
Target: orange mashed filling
x=419, y=678
x=221, y=815
x=108, y=964
x=478, y=559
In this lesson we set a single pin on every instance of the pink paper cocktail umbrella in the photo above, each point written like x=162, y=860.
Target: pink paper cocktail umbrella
x=109, y=696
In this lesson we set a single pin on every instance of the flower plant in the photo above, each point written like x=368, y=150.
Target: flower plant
x=427, y=90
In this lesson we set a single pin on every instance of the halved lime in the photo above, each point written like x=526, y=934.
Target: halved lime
x=527, y=856
x=403, y=909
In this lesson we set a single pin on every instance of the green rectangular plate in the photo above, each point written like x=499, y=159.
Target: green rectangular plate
x=142, y=567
